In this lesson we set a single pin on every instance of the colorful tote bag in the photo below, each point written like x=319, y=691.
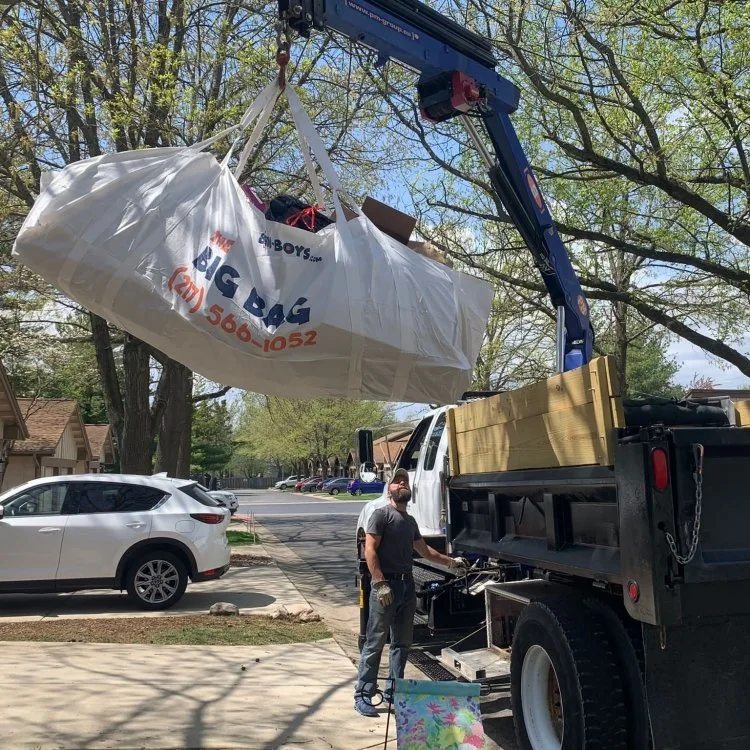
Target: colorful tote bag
x=438, y=716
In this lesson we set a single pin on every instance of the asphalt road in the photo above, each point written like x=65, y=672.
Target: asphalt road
x=321, y=532
x=270, y=503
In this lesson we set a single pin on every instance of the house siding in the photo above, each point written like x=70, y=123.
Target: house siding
x=67, y=447
x=20, y=469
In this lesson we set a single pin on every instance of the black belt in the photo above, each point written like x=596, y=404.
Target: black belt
x=398, y=576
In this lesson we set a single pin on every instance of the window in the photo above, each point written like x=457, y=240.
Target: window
x=410, y=458
x=198, y=493
x=434, y=443
x=46, y=500
x=107, y=497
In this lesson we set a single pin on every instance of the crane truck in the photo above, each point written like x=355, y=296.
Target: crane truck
x=610, y=540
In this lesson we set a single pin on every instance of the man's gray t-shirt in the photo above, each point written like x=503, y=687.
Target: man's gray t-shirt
x=397, y=532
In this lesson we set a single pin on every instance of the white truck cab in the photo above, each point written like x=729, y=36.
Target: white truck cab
x=424, y=457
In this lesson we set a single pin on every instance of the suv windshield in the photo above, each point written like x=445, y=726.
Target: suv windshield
x=198, y=493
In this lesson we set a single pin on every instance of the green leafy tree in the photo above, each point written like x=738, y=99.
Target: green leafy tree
x=288, y=432
x=650, y=371
x=91, y=78
x=635, y=119
x=212, y=437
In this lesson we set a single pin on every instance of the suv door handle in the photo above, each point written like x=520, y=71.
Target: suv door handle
x=49, y=530
x=135, y=525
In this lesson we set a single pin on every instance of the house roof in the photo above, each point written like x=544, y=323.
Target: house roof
x=100, y=440
x=736, y=393
x=10, y=412
x=46, y=420
x=386, y=452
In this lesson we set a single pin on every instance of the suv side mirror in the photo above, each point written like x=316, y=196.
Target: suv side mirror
x=2, y=511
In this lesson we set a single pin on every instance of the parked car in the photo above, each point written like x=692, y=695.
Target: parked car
x=288, y=482
x=359, y=487
x=299, y=483
x=147, y=535
x=311, y=484
x=336, y=485
x=226, y=498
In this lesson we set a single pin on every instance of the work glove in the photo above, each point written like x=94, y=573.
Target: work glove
x=384, y=593
x=460, y=565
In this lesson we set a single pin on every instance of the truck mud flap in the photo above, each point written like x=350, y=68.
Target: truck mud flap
x=697, y=685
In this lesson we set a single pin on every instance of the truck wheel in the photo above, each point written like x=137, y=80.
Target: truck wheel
x=566, y=691
x=627, y=643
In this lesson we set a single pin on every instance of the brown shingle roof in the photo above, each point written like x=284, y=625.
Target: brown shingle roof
x=46, y=420
x=98, y=434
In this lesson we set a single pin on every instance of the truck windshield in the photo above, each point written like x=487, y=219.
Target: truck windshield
x=434, y=442
x=410, y=457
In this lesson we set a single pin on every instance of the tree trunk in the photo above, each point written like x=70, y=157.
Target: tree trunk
x=105, y=361
x=136, y=446
x=175, y=425
x=621, y=342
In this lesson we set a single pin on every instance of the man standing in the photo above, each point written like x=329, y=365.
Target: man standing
x=392, y=536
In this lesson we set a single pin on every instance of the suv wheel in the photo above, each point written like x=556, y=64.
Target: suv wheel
x=156, y=580
x=335, y=491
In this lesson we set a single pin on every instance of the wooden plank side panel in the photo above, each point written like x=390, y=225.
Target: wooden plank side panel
x=568, y=437
x=600, y=385
x=742, y=412
x=453, y=454
x=557, y=393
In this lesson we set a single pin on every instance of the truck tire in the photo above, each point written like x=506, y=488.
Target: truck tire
x=566, y=690
x=627, y=643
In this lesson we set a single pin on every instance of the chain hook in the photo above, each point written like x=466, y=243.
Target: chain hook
x=283, y=44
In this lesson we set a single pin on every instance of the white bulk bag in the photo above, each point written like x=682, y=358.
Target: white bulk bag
x=163, y=243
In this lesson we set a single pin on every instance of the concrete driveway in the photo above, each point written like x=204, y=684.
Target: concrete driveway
x=92, y=695
x=254, y=590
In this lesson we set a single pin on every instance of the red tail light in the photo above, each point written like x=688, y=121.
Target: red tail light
x=660, y=469
x=208, y=517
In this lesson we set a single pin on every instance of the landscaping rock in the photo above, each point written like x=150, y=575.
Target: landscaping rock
x=278, y=612
x=309, y=617
x=297, y=610
x=224, y=608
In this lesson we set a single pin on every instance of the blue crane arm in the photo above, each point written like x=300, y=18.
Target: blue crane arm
x=458, y=78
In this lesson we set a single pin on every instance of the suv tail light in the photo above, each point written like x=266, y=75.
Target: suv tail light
x=208, y=517
x=660, y=469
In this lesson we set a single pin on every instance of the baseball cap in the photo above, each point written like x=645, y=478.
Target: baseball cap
x=400, y=473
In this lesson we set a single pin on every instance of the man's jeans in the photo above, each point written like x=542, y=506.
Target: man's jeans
x=399, y=619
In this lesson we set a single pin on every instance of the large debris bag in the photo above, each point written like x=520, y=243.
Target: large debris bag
x=164, y=244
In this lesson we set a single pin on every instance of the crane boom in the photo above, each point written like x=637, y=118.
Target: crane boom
x=458, y=78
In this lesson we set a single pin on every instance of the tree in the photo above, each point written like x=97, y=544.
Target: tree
x=650, y=371
x=636, y=121
x=212, y=437
x=79, y=79
x=290, y=432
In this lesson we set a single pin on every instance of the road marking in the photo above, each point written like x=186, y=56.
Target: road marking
x=320, y=502
x=297, y=515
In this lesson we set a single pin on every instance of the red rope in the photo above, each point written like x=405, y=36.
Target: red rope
x=306, y=216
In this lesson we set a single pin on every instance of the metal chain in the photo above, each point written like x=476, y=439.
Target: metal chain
x=698, y=478
x=283, y=45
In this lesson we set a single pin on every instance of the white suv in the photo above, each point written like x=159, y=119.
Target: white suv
x=288, y=482
x=147, y=535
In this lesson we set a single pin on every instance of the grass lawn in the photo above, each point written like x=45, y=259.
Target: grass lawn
x=346, y=496
x=193, y=630
x=242, y=537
